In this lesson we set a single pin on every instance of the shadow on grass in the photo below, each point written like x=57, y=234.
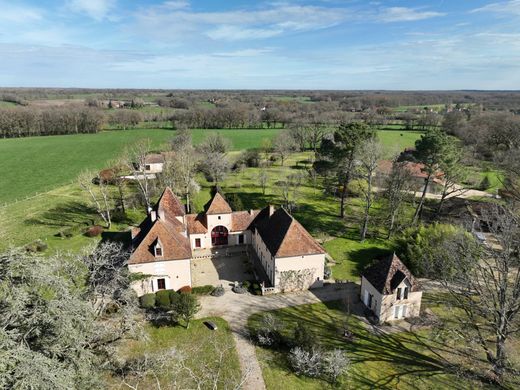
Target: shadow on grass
x=316, y=220
x=252, y=200
x=124, y=238
x=66, y=215
x=405, y=358
x=363, y=257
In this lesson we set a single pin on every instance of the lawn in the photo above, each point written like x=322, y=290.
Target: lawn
x=38, y=164
x=402, y=360
x=200, y=346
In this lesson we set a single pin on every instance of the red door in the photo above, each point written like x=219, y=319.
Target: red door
x=219, y=236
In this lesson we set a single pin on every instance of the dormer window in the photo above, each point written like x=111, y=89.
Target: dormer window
x=158, y=249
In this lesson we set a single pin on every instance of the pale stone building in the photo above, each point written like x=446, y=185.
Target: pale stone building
x=389, y=289
x=166, y=241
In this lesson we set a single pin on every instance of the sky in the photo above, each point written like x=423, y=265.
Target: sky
x=235, y=44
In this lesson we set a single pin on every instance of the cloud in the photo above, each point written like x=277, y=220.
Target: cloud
x=507, y=8
x=18, y=14
x=96, y=9
x=269, y=20
x=404, y=14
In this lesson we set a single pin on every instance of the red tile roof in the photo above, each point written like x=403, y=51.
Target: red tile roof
x=169, y=204
x=175, y=246
x=196, y=223
x=241, y=220
x=218, y=205
x=416, y=169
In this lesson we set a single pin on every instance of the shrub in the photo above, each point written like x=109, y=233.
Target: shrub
x=239, y=290
x=173, y=295
x=250, y=158
x=185, y=290
x=218, y=291
x=246, y=284
x=41, y=246
x=202, y=290
x=306, y=362
x=269, y=332
x=303, y=337
x=147, y=301
x=94, y=231
x=162, y=299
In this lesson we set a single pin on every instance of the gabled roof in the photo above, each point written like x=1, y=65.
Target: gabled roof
x=175, y=245
x=284, y=236
x=387, y=273
x=154, y=158
x=169, y=204
x=217, y=205
x=196, y=223
x=241, y=220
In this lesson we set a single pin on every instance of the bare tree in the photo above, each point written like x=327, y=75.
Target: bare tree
x=368, y=156
x=99, y=195
x=263, y=179
x=214, y=160
x=397, y=191
x=484, y=285
x=181, y=166
x=284, y=145
x=136, y=158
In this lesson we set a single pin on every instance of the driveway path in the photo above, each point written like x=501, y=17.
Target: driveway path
x=237, y=308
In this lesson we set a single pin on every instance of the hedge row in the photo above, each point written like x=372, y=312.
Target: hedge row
x=163, y=299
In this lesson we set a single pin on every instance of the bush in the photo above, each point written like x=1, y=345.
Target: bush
x=185, y=290
x=239, y=289
x=173, y=295
x=218, y=291
x=246, y=284
x=36, y=246
x=94, y=231
x=303, y=337
x=147, y=301
x=202, y=290
x=162, y=299
x=250, y=158
x=306, y=362
x=270, y=330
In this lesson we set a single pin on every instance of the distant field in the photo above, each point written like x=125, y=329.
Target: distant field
x=37, y=164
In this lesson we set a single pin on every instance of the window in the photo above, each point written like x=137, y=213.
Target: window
x=399, y=293
x=147, y=167
x=219, y=217
x=405, y=293
x=197, y=243
x=240, y=238
x=158, y=251
x=397, y=310
x=161, y=284
x=370, y=299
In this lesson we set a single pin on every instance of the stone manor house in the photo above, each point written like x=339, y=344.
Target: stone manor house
x=165, y=243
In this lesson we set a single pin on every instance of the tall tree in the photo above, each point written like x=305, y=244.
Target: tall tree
x=485, y=286
x=136, y=158
x=430, y=150
x=453, y=171
x=284, y=145
x=337, y=155
x=397, y=190
x=368, y=155
x=181, y=166
x=214, y=157
x=99, y=195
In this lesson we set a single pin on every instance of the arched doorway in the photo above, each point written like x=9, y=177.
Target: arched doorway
x=219, y=236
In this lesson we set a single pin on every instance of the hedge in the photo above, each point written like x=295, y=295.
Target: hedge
x=147, y=301
x=162, y=299
x=202, y=290
x=185, y=290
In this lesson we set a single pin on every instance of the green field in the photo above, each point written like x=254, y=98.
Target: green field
x=39, y=164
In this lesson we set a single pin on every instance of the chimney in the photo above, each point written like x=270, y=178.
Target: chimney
x=271, y=209
x=153, y=215
x=251, y=212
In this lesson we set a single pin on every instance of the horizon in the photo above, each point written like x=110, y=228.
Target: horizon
x=318, y=45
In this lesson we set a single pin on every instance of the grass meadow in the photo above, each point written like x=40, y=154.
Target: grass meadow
x=38, y=164
x=420, y=359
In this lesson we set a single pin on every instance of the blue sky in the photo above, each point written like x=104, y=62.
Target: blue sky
x=320, y=44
